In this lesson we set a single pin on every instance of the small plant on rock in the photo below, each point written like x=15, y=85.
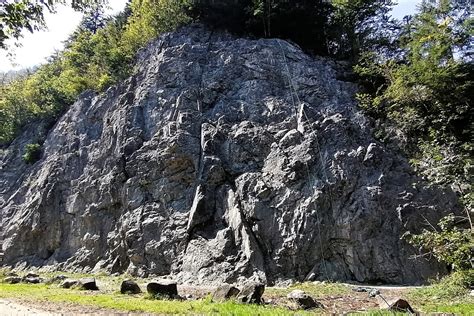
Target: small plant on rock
x=32, y=153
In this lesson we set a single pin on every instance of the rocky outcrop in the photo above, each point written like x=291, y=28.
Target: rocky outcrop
x=220, y=160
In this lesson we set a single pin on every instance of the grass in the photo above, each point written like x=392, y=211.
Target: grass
x=450, y=295
x=136, y=303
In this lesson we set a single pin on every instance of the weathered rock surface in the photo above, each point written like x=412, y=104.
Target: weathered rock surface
x=32, y=280
x=12, y=280
x=225, y=292
x=221, y=160
x=302, y=300
x=163, y=288
x=130, y=287
x=88, y=284
x=396, y=305
x=69, y=283
x=252, y=293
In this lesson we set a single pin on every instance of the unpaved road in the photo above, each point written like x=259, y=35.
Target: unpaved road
x=8, y=308
x=35, y=308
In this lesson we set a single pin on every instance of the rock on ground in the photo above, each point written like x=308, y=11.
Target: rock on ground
x=222, y=159
x=163, y=288
x=130, y=287
x=251, y=293
x=88, y=284
x=303, y=300
x=225, y=292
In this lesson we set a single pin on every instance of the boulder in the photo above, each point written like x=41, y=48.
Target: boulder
x=374, y=293
x=225, y=292
x=88, y=284
x=130, y=287
x=32, y=280
x=68, y=283
x=395, y=304
x=303, y=300
x=252, y=293
x=12, y=280
x=57, y=278
x=163, y=288
x=32, y=275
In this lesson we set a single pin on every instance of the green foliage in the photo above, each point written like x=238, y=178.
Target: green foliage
x=358, y=26
x=338, y=28
x=18, y=15
x=32, y=153
x=450, y=287
x=93, y=59
x=422, y=92
x=149, y=19
x=451, y=244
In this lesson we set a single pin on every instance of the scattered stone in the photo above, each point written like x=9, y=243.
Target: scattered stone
x=303, y=300
x=130, y=287
x=12, y=280
x=31, y=275
x=396, y=305
x=68, y=283
x=32, y=280
x=11, y=274
x=225, y=292
x=163, y=288
x=360, y=289
x=57, y=278
x=252, y=293
x=374, y=293
x=88, y=284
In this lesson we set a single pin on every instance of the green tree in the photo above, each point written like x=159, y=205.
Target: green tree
x=359, y=25
x=19, y=15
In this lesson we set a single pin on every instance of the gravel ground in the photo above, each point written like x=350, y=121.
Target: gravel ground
x=9, y=308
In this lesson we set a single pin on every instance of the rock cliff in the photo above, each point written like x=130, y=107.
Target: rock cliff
x=221, y=159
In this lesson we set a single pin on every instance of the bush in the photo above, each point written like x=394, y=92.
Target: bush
x=451, y=244
x=32, y=153
x=450, y=287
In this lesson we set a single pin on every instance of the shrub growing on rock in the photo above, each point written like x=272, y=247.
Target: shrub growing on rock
x=32, y=153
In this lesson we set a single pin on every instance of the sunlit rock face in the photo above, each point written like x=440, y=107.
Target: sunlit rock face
x=221, y=159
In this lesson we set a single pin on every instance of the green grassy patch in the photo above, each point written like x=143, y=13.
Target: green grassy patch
x=136, y=303
x=450, y=295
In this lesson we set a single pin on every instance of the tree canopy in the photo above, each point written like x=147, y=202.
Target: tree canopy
x=16, y=16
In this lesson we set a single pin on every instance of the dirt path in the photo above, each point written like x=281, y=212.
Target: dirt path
x=9, y=308
x=36, y=308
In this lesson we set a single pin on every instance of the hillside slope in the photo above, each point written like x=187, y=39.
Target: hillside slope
x=221, y=159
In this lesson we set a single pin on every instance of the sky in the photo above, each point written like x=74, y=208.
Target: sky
x=38, y=46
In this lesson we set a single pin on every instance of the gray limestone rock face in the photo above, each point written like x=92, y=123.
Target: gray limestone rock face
x=221, y=160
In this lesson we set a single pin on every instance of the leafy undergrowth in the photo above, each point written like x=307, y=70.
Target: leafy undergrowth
x=135, y=303
x=450, y=295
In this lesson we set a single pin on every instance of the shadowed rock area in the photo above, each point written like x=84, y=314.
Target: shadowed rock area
x=221, y=160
